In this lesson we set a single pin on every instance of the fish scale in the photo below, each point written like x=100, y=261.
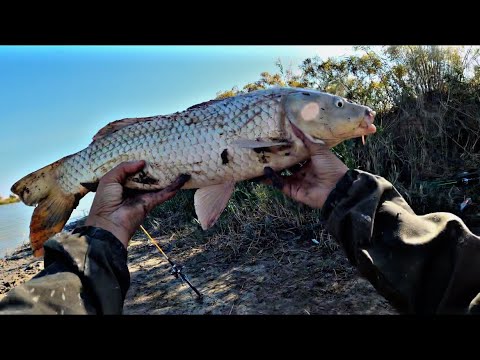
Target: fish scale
x=179, y=141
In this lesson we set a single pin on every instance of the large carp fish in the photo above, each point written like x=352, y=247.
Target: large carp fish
x=217, y=143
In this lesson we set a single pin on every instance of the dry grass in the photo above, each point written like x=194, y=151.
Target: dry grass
x=257, y=218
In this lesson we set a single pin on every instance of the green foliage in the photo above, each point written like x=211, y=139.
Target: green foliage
x=228, y=93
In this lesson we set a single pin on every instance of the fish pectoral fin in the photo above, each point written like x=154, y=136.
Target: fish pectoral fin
x=253, y=144
x=210, y=201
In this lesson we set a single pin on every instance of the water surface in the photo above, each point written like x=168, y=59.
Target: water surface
x=15, y=222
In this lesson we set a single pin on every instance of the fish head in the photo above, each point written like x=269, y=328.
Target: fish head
x=328, y=118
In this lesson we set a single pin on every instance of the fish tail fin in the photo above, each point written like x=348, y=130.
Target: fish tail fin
x=54, y=205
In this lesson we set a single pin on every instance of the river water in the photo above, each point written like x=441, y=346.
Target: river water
x=15, y=221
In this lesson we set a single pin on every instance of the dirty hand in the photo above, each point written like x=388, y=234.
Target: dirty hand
x=114, y=211
x=314, y=181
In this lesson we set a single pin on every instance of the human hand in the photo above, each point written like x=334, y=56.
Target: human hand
x=314, y=181
x=114, y=211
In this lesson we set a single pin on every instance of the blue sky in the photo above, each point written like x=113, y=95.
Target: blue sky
x=53, y=99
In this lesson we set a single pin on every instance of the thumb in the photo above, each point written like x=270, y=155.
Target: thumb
x=120, y=173
x=156, y=198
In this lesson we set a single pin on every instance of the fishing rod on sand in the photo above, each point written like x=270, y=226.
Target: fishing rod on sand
x=175, y=269
x=463, y=180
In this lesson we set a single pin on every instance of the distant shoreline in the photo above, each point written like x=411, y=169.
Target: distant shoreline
x=9, y=200
x=21, y=247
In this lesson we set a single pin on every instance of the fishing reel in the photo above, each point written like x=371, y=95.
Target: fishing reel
x=466, y=178
x=176, y=270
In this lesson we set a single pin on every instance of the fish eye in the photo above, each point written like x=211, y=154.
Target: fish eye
x=339, y=103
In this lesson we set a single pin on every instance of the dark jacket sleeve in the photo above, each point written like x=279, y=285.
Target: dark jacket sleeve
x=421, y=264
x=84, y=273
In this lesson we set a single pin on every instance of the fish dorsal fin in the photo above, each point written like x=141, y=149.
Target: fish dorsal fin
x=205, y=104
x=210, y=201
x=117, y=125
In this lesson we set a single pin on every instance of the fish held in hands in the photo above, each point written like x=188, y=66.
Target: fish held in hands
x=218, y=143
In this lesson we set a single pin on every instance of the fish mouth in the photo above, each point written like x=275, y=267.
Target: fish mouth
x=366, y=125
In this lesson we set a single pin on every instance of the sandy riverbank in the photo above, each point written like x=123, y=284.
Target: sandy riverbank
x=282, y=277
